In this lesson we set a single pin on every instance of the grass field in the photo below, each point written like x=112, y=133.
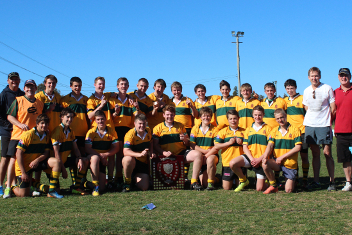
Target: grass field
x=185, y=212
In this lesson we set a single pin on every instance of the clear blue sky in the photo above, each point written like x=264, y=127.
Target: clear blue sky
x=185, y=41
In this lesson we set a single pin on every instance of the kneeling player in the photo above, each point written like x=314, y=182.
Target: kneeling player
x=254, y=144
x=230, y=140
x=32, y=155
x=285, y=142
x=137, y=147
x=101, y=143
x=202, y=140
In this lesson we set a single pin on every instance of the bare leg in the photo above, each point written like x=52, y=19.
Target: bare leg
x=316, y=161
x=330, y=165
x=347, y=170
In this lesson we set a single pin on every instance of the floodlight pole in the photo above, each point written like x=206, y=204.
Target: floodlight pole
x=237, y=35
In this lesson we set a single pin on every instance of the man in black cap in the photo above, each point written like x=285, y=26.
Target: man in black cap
x=7, y=96
x=343, y=124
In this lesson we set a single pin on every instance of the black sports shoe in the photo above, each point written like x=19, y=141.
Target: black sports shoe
x=126, y=188
x=196, y=186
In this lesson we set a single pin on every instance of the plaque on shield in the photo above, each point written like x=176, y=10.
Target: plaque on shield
x=167, y=173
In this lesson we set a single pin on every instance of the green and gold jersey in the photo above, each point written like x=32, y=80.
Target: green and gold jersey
x=270, y=107
x=93, y=102
x=283, y=143
x=222, y=106
x=183, y=113
x=245, y=110
x=125, y=116
x=235, y=150
x=257, y=140
x=54, y=115
x=64, y=140
x=158, y=117
x=209, y=102
x=295, y=111
x=145, y=103
x=138, y=143
x=204, y=140
x=101, y=143
x=169, y=137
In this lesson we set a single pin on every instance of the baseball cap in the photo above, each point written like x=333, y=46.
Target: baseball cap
x=30, y=81
x=345, y=71
x=13, y=74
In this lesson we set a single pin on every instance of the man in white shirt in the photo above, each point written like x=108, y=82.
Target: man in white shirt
x=319, y=101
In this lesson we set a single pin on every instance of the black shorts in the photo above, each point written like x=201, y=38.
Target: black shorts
x=258, y=170
x=141, y=167
x=121, y=132
x=228, y=174
x=43, y=165
x=5, y=141
x=70, y=162
x=343, y=145
x=81, y=141
x=184, y=153
x=11, y=150
x=102, y=168
x=22, y=184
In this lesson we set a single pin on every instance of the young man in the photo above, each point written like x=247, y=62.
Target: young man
x=51, y=101
x=295, y=116
x=7, y=96
x=343, y=124
x=254, y=145
x=229, y=140
x=224, y=104
x=78, y=103
x=160, y=100
x=202, y=140
x=145, y=104
x=64, y=144
x=101, y=143
x=22, y=114
x=123, y=111
x=138, y=146
x=245, y=106
x=203, y=101
x=319, y=102
x=285, y=143
x=271, y=103
x=170, y=138
x=33, y=155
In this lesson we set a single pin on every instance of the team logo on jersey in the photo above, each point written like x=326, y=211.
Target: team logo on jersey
x=192, y=135
x=209, y=102
x=264, y=132
x=32, y=110
x=230, y=103
x=210, y=134
x=251, y=105
x=127, y=143
x=276, y=106
x=290, y=135
x=270, y=138
x=183, y=104
x=297, y=104
x=21, y=142
x=217, y=137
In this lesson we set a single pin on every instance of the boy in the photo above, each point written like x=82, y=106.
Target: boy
x=170, y=138
x=22, y=113
x=271, y=103
x=295, y=116
x=254, y=145
x=160, y=100
x=32, y=155
x=203, y=101
x=123, y=111
x=202, y=140
x=51, y=101
x=285, y=143
x=229, y=140
x=101, y=143
x=224, y=104
x=245, y=106
x=137, y=148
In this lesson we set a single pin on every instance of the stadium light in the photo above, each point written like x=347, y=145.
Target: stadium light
x=237, y=35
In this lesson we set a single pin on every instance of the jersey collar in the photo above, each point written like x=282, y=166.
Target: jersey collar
x=102, y=135
x=41, y=137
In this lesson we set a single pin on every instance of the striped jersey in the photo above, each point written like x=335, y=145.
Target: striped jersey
x=101, y=143
x=235, y=150
x=64, y=140
x=245, y=110
x=169, y=137
x=54, y=115
x=222, y=107
x=33, y=146
x=284, y=143
x=93, y=102
x=145, y=103
x=257, y=140
x=270, y=107
x=295, y=111
x=204, y=140
x=80, y=122
x=125, y=116
x=138, y=143
x=209, y=102
x=183, y=113
x=26, y=112
x=158, y=117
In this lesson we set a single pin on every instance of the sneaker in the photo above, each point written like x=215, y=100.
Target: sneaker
x=54, y=194
x=7, y=193
x=1, y=191
x=79, y=191
x=241, y=186
x=315, y=186
x=35, y=192
x=95, y=192
x=126, y=188
x=196, y=186
x=210, y=186
x=110, y=186
x=271, y=189
x=348, y=187
x=332, y=186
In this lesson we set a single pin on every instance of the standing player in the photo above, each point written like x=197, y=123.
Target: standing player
x=229, y=140
x=254, y=145
x=22, y=114
x=137, y=148
x=295, y=116
x=7, y=96
x=145, y=104
x=170, y=139
x=285, y=143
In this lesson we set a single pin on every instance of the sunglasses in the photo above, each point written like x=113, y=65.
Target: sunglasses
x=314, y=95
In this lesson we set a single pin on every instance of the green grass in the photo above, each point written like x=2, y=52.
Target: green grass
x=184, y=212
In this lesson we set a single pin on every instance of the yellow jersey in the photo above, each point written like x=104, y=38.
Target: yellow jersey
x=64, y=139
x=138, y=143
x=101, y=143
x=257, y=140
x=125, y=116
x=93, y=102
x=54, y=115
x=245, y=110
x=204, y=140
x=270, y=107
x=222, y=106
x=296, y=112
x=183, y=113
x=158, y=117
x=209, y=102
